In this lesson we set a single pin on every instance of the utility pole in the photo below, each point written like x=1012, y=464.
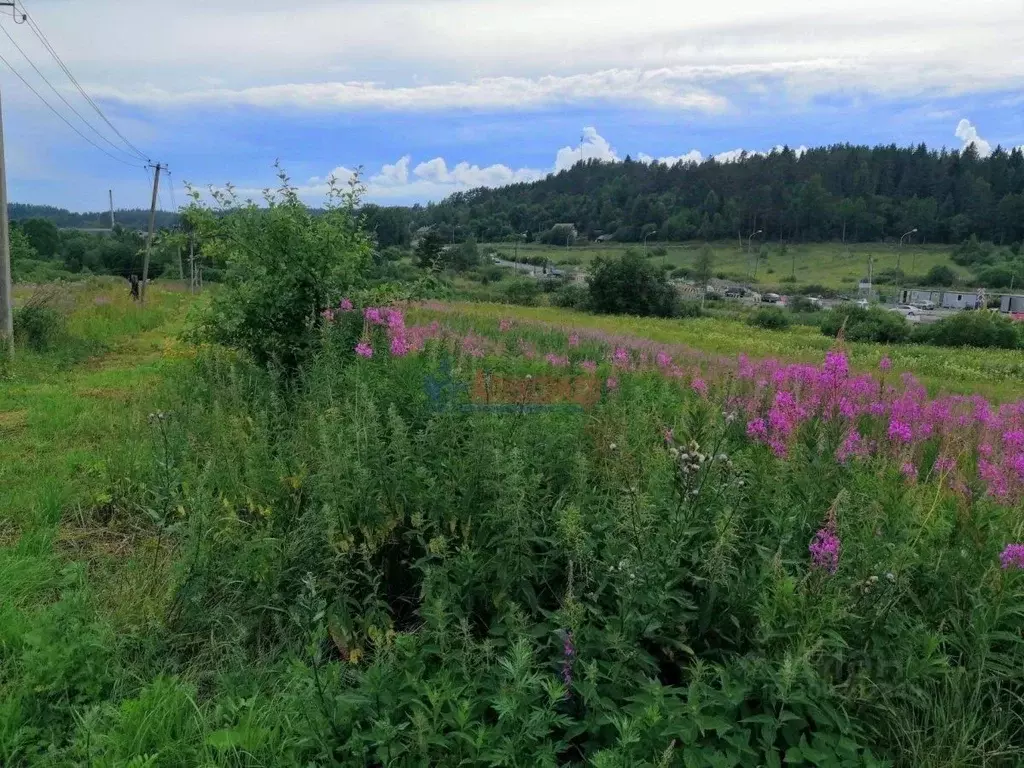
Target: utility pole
x=6, y=292
x=192, y=262
x=149, y=238
x=111, y=193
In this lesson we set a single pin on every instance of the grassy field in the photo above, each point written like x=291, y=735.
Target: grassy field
x=202, y=564
x=829, y=264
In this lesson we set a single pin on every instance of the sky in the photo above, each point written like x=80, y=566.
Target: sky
x=430, y=97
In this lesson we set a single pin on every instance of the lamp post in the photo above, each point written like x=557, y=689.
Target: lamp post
x=899, y=249
x=749, y=239
x=652, y=232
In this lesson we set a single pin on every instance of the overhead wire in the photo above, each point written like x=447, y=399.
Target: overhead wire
x=60, y=62
x=58, y=114
x=61, y=96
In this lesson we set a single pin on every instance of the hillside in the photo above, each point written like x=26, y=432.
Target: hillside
x=843, y=192
x=132, y=218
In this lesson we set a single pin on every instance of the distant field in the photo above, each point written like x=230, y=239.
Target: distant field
x=829, y=264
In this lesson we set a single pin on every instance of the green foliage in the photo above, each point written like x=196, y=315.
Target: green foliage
x=941, y=275
x=521, y=290
x=770, y=318
x=428, y=250
x=571, y=297
x=43, y=236
x=629, y=285
x=981, y=328
x=703, y=268
x=871, y=324
x=284, y=266
x=39, y=322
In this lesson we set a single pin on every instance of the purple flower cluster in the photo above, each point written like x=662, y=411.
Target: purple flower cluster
x=825, y=548
x=1013, y=557
x=568, y=655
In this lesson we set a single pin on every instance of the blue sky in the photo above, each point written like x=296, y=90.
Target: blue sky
x=434, y=96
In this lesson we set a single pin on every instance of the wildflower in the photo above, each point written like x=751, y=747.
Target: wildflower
x=700, y=386
x=346, y=305
x=620, y=357
x=885, y=364
x=757, y=429
x=825, y=548
x=612, y=383
x=900, y=431
x=908, y=470
x=669, y=436
x=373, y=316
x=589, y=366
x=363, y=349
x=574, y=340
x=399, y=346
x=327, y=314
x=1013, y=557
x=504, y=325
x=568, y=654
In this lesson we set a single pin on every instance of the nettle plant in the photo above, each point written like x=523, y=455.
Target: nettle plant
x=285, y=262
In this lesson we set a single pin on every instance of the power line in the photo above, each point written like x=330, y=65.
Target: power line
x=46, y=44
x=60, y=95
x=58, y=114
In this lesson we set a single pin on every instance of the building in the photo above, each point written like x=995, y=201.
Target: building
x=1012, y=304
x=920, y=296
x=961, y=300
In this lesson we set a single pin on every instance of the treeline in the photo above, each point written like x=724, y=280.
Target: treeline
x=841, y=192
x=133, y=218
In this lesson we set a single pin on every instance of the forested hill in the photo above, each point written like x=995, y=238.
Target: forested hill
x=135, y=218
x=829, y=193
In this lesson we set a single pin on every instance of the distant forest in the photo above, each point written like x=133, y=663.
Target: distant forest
x=135, y=218
x=841, y=192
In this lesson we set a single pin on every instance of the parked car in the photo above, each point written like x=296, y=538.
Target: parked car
x=734, y=293
x=925, y=305
x=863, y=303
x=816, y=301
x=911, y=314
x=770, y=298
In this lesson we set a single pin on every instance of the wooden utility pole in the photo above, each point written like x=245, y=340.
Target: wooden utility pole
x=6, y=293
x=111, y=193
x=149, y=238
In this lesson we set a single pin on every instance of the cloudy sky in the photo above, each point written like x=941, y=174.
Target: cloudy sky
x=433, y=96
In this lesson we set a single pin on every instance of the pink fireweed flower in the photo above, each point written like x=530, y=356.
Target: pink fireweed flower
x=885, y=364
x=327, y=314
x=663, y=359
x=363, y=349
x=669, y=435
x=1012, y=557
x=825, y=548
x=574, y=340
x=700, y=387
x=556, y=360
x=346, y=305
x=908, y=470
x=589, y=366
x=900, y=431
x=505, y=325
x=757, y=429
x=620, y=357
x=373, y=316
x=399, y=346
x=853, y=445
x=612, y=383
x=394, y=319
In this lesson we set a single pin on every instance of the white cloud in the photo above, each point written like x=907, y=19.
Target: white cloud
x=733, y=155
x=692, y=157
x=595, y=147
x=396, y=174
x=968, y=134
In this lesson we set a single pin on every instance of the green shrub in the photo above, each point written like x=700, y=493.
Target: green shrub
x=770, y=318
x=39, y=323
x=859, y=324
x=980, y=328
x=690, y=309
x=285, y=265
x=522, y=291
x=940, y=275
x=629, y=285
x=571, y=297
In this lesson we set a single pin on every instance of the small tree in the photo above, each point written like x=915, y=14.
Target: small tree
x=630, y=285
x=703, y=270
x=428, y=250
x=284, y=266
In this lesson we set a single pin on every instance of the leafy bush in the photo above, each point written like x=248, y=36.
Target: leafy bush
x=522, y=291
x=659, y=250
x=801, y=304
x=690, y=309
x=1001, y=276
x=971, y=329
x=941, y=275
x=770, y=318
x=285, y=265
x=571, y=297
x=40, y=323
x=859, y=324
x=629, y=285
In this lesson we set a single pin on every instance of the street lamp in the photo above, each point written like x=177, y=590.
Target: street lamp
x=652, y=232
x=749, y=239
x=899, y=249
